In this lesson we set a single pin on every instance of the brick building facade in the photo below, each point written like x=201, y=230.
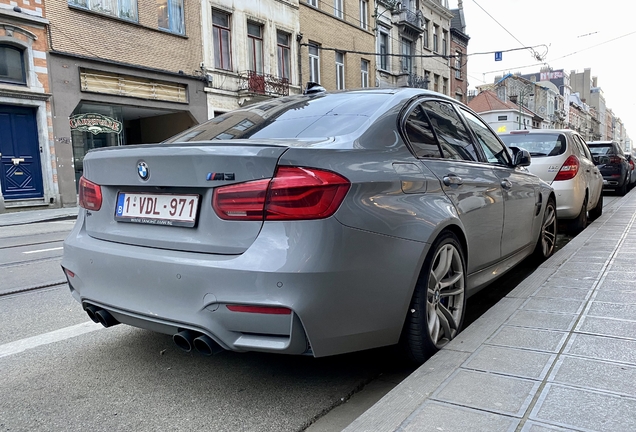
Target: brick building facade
x=338, y=43
x=124, y=72
x=28, y=170
x=459, y=53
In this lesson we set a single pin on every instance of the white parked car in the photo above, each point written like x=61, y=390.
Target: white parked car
x=563, y=159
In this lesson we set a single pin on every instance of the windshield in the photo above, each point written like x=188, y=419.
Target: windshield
x=537, y=144
x=317, y=116
x=601, y=149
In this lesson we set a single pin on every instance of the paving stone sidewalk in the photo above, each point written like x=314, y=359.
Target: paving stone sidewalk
x=557, y=354
x=32, y=216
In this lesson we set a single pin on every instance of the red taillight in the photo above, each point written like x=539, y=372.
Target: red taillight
x=631, y=163
x=615, y=159
x=90, y=195
x=243, y=201
x=294, y=193
x=569, y=169
x=69, y=273
x=260, y=309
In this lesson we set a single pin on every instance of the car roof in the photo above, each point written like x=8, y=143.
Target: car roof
x=540, y=131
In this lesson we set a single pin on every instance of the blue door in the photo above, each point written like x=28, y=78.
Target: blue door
x=20, y=169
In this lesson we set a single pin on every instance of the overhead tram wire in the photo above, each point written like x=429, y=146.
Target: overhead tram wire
x=564, y=56
x=535, y=54
x=444, y=56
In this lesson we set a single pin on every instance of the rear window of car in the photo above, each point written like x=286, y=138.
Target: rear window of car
x=317, y=116
x=600, y=149
x=538, y=145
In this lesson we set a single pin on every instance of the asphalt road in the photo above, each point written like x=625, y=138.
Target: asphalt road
x=60, y=371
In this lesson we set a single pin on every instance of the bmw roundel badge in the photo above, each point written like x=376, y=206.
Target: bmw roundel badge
x=143, y=170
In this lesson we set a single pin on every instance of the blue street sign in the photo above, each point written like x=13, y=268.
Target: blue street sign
x=498, y=56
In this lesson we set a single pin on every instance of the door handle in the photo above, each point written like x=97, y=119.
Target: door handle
x=16, y=161
x=506, y=184
x=452, y=180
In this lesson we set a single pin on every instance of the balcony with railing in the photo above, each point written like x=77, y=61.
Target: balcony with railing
x=410, y=22
x=263, y=84
x=417, y=81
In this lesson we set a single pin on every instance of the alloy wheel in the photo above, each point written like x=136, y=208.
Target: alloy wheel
x=549, y=230
x=445, y=295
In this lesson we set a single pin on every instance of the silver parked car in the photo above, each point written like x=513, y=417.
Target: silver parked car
x=313, y=224
x=561, y=157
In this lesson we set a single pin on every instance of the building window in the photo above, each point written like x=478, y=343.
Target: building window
x=435, y=40
x=255, y=47
x=445, y=85
x=221, y=35
x=383, y=49
x=406, y=55
x=338, y=10
x=364, y=72
x=444, y=39
x=340, y=76
x=284, y=56
x=314, y=64
x=313, y=3
x=502, y=118
x=436, y=82
x=364, y=14
x=124, y=9
x=425, y=33
x=170, y=15
x=458, y=65
x=12, y=68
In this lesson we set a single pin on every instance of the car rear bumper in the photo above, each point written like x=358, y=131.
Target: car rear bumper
x=347, y=289
x=613, y=177
x=569, y=198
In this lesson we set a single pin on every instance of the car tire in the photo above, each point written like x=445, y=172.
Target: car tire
x=575, y=226
x=547, y=238
x=437, y=309
x=623, y=189
x=597, y=211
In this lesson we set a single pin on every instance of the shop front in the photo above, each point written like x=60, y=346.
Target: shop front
x=100, y=104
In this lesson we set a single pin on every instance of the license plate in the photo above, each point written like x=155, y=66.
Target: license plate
x=157, y=209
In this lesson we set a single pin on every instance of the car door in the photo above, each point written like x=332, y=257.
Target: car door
x=520, y=188
x=447, y=150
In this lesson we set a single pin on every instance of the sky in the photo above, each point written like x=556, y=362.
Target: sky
x=564, y=34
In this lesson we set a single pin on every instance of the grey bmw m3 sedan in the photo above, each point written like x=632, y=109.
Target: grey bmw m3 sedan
x=313, y=224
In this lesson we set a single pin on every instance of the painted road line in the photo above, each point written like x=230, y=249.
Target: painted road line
x=44, y=250
x=21, y=345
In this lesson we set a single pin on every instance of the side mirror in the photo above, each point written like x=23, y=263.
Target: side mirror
x=521, y=157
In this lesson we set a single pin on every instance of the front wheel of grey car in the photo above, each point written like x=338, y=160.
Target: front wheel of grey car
x=548, y=236
x=438, y=305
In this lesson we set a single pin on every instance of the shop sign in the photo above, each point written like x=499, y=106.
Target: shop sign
x=547, y=76
x=95, y=124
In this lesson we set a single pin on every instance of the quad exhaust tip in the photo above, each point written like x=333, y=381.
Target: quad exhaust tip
x=101, y=316
x=188, y=339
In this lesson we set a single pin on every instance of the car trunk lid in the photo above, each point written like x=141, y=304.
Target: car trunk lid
x=546, y=168
x=160, y=196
